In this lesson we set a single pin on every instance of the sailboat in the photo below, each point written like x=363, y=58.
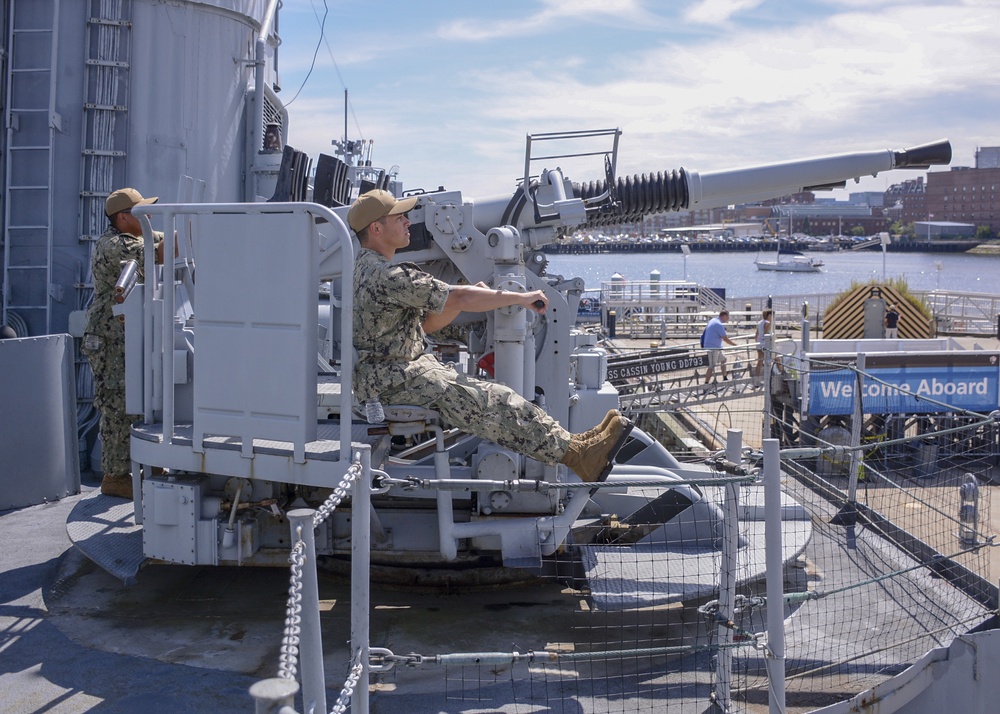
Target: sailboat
x=787, y=260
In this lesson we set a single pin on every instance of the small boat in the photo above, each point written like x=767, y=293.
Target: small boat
x=790, y=261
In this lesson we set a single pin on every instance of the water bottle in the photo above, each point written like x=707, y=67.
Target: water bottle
x=373, y=410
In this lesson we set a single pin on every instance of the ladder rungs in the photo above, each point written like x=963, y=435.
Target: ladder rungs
x=28, y=267
x=16, y=228
x=26, y=187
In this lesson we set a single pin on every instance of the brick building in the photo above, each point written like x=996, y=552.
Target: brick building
x=906, y=201
x=964, y=195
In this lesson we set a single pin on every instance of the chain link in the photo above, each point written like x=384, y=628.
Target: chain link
x=289, y=654
x=344, y=700
x=330, y=505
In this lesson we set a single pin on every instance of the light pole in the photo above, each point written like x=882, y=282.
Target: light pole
x=686, y=251
x=885, y=243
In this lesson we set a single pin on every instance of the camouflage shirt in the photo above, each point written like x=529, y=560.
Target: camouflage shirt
x=111, y=250
x=391, y=301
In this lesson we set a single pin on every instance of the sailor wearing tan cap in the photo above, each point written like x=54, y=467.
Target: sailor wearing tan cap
x=397, y=304
x=104, y=336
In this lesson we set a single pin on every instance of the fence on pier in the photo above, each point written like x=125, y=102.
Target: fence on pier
x=651, y=309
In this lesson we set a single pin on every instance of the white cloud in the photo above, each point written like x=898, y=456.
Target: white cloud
x=718, y=11
x=620, y=13
x=874, y=76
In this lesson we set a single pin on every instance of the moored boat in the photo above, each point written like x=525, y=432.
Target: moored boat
x=789, y=261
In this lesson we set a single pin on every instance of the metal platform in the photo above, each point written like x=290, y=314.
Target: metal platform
x=104, y=529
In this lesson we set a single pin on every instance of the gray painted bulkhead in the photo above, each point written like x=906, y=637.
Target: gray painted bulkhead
x=185, y=74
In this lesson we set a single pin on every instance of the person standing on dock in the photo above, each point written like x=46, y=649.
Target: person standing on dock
x=763, y=339
x=715, y=335
x=891, y=323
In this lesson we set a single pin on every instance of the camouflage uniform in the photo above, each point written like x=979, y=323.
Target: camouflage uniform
x=104, y=346
x=391, y=302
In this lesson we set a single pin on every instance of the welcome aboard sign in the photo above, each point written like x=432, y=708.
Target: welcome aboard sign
x=902, y=383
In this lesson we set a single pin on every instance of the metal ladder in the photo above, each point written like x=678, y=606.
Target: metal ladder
x=31, y=125
x=105, y=117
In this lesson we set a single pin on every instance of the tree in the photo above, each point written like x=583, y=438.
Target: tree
x=902, y=229
x=984, y=233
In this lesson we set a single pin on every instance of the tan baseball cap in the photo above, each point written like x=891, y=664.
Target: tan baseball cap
x=124, y=199
x=374, y=205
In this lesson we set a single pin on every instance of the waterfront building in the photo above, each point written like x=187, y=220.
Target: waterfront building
x=988, y=157
x=964, y=195
x=906, y=201
x=827, y=219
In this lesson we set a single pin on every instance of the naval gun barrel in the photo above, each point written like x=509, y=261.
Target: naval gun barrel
x=640, y=195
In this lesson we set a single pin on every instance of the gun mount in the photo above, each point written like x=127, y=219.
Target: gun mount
x=248, y=424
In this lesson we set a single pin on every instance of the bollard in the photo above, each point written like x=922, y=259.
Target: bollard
x=968, y=510
x=611, y=324
x=271, y=695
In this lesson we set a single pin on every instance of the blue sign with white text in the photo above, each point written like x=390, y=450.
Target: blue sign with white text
x=906, y=390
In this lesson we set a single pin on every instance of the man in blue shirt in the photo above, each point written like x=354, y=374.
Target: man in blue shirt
x=715, y=335
x=892, y=323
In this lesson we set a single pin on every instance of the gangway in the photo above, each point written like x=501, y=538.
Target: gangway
x=865, y=245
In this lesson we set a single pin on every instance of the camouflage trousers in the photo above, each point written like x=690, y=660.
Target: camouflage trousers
x=489, y=410
x=107, y=361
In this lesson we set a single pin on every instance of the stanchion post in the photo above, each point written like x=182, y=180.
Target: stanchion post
x=361, y=499
x=310, y=637
x=857, y=417
x=727, y=576
x=775, y=662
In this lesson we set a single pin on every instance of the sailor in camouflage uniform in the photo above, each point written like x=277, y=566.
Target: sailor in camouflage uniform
x=396, y=304
x=104, y=337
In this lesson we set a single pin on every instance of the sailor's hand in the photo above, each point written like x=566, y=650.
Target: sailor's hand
x=536, y=301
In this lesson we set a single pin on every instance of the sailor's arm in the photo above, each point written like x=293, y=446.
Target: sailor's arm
x=479, y=298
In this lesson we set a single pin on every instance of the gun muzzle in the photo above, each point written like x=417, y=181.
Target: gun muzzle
x=126, y=281
x=936, y=153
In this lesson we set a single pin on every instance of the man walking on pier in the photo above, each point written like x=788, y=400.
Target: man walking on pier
x=715, y=335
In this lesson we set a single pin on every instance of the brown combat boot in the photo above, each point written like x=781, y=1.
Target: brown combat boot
x=591, y=458
x=117, y=486
x=605, y=423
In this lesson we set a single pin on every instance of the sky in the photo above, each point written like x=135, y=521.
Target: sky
x=448, y=91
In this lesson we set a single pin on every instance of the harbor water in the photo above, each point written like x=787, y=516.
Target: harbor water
x=736, y=273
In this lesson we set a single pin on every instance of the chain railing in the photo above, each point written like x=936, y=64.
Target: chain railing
x=301, y=638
